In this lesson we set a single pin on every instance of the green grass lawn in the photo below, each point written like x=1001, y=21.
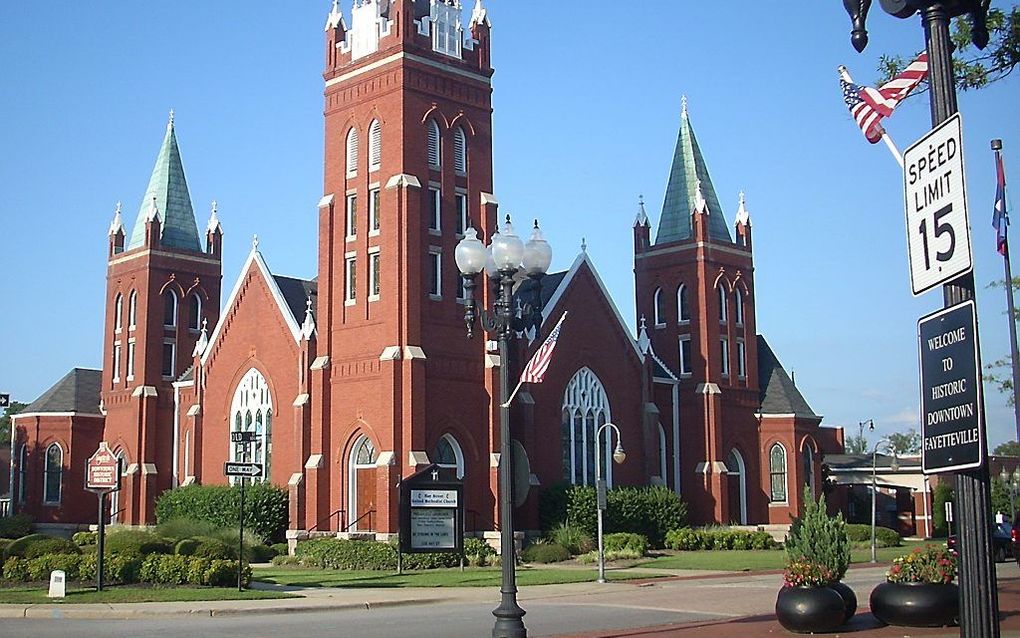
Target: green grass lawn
x=132, y=594
x=760, y=560
x=470, y=577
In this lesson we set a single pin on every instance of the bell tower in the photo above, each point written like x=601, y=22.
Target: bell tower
x=161, y=285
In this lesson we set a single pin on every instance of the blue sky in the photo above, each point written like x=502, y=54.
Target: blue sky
x=587, y=104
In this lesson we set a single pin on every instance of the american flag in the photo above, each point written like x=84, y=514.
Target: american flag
x=534, y=372
x=999, y=218
x=869, y=106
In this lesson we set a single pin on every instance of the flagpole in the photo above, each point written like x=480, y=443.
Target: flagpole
x=1010, y=309
x=845, y=74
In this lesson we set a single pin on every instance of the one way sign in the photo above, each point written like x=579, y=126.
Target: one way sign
x=5, y=400
x=242, y=469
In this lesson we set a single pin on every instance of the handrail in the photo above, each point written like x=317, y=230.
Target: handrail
x=330, y=517
x=358, y=520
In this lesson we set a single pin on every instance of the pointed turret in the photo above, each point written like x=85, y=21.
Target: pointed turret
x=214, y=234
x=308, y=326
x=481, y=29
x=642, y=229
x=169, y=189
x=689, y=168
x=742, y=225
x=116, y=233
x=152, y=226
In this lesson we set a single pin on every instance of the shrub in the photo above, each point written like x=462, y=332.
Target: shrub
x=575, y=539
x=687, y=539
x=81, y=539
x=592, y=557
x=287, y=561
x=932, y=564
x=133, y=542
x=39, y=568
x=335, y=553
x=259, y=554
x=179, y=570
x=942, y=494
x=818, y=538
x=683, y=539
x=265, y=507
x=431, y=560
x=281, y=549
x=21, y=545
x=186, y=546
x=15, y=526
x=177, y=529
x=214, y=548
x=478, y=552
x=165, y=570
x=15, y=570
x=545, y=553
x=884, y=537
x=623, y=541
x=650, y=511
x=223, y=573
x=49, y=546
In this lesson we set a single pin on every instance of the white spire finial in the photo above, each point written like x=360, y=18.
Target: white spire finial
x=683, y=107
x=153, y=210
x=255, y=242
x=480, y=15
x=117, y=224
x=700, y=205
x=214, y=221
x=743, y=217
x=335, y=18
x=644, y=343
x=642, y=217
x=170, y=121
x=584, y=245
x=308, y=327
x=203, y=341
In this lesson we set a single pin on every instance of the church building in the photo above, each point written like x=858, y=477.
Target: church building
x=358, y=376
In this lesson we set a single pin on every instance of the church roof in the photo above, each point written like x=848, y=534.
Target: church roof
x=688, y=169
x=173, y=201
x=296, y=293
x=778, y=394
x=78, y=391
x=549, y=285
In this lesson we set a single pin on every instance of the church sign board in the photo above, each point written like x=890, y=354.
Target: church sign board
x=102, y=470
x=952, y=427
x=432, y=511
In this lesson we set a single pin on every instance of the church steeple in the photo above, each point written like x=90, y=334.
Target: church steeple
x=688, y=171
x=168, y=191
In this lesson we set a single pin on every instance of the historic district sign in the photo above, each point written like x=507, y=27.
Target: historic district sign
x=938, y=233
x=102, y=470
x=952, y=433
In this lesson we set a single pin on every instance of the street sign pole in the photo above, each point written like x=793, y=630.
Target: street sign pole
x=102, y=541
x=240, y=538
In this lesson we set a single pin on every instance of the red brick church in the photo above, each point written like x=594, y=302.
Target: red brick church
x=356, y=377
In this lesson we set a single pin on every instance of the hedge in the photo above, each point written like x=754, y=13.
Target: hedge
x=133, y=542
x=214, y=548
x=21, y=545
x=884, y=537
x=624, y=541
x=649, y=511
x=545, y=553
x=49, y=546
x=265, y=507
x=82, y=539
x=156, y=570
x=15, y=526
x=335, y=553
x=688, y=539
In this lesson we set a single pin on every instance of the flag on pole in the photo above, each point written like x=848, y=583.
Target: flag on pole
x=999, y=218
x=869, y=106
x=534, y=372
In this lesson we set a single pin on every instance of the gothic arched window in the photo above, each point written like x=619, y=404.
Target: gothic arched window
x=195, y=312
x=738, y=307
x=352, y=151
x=459, y=150
x=53, y=474
x=683, y=305
x=252, y=410
x=585, y=409
x=449, y=454
x=777, y=473
x=169, y=308
x=118, y=312
x=133, y=309
x=434, y=145
x=721, y=293
x=374, y=145
x=659, y=308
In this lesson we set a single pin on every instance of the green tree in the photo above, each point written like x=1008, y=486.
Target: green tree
x=974, y=68
x=5, y=421
x=1000, y=372
x=901, y=443
x=1000, y=497
x=1009, y=448
x=820, y=538
x=943, y=494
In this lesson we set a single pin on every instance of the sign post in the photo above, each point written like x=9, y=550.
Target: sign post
x=242, y=471
x=102, y=476
x=952, y=430
x=938, y=232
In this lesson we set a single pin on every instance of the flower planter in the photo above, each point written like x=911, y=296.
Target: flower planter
x=805, y=610
x=916, y=604
x=849, y=599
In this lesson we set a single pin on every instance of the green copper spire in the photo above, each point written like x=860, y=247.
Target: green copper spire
x=169, y=188
x=688, y=169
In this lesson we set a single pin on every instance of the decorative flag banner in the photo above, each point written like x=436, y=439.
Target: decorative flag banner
x=534, y=372
x=999, y=218
x=869, y=106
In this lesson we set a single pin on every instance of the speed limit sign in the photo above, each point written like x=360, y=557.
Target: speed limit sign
x=938, y=231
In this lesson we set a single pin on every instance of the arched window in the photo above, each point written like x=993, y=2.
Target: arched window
x=449, y=454
x=585, y=409
x=659, y=308
x=721, y=293
x=352, y=151
x=53, y=473
x=118, y=312
x=252, y=408
x=683, y=305
x=459, y=150
x=738, y=307
x=22, y=473
x=662, y=455
x=808, y=459
x=195, y=312
x=374, y=145
x=737, y=477
x=132, y=309
x=362, y=484
x=169, y=308
x=435, y=146
x=777, y=473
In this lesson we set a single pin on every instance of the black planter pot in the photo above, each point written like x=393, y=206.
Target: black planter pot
x=916, y=604
x=812, y=610
x=849, y=599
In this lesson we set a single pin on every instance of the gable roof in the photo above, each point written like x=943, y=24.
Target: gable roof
x=688, y=169
x=78, y=392
x=778, y=394
x=169, y=188
x=296, y=293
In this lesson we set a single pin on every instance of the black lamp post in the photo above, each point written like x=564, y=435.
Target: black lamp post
x=506, y=257
x=979, y=607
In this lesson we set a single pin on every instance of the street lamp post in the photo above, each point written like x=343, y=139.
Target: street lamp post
x=979, y=608
x=619, y=456
x=507, y=256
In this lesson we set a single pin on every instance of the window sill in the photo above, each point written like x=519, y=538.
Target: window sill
x=660, y=326
x=435, y=231
x=350, y=238
x=350, y=302
x=117, y=331
x=779, y=504
x=168, y=326
x=130, y=378
x=352, y=175
x=168, y=377
x=373, y=298
x=373, y=233
x=56, y=504
x=686, y=375
x=435, y=297
x=684, y=322
x=374, y=169
x=462, y=301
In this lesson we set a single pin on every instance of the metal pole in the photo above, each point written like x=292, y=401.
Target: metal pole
x=1011, y=311
x=240, y=540
x=102, y=541
x=874, y=491
x=509, y=615
x=598, y=501
x=979, y=606
x=14, y=436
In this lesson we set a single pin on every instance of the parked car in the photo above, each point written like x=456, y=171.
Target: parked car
x=1005, y=542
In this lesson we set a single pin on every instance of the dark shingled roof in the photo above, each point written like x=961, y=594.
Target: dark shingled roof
x=296, y=292
x=526, y=290
x=778, y=394
x=78, y=391
x=840, y=462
